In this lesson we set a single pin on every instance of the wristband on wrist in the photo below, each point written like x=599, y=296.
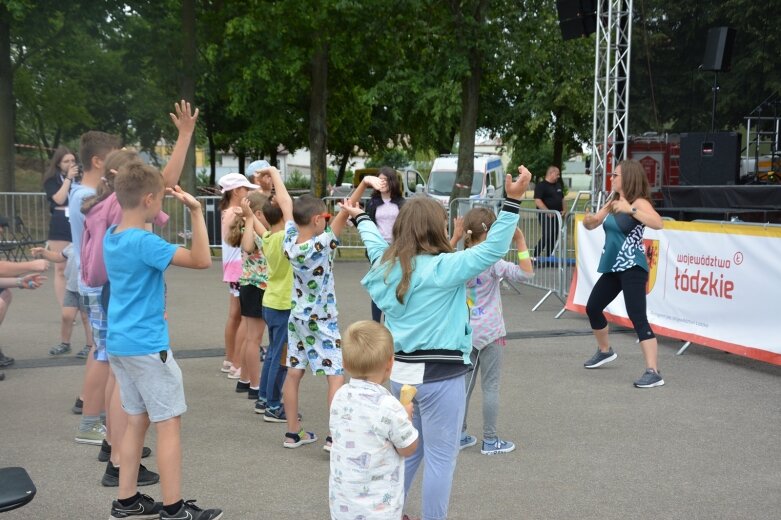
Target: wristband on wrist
x=523, y=255
x=19, y=283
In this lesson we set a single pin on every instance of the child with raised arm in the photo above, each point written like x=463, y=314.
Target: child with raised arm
x=137, y=343
x=246, y=232
x=276, y=301
x=419, y=283
x=486, y=319
x=313, y=332
x=372, y=431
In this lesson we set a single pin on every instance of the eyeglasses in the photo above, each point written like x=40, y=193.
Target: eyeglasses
x=614, y=175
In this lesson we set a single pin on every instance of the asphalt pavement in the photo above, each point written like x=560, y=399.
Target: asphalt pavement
x=707, y=445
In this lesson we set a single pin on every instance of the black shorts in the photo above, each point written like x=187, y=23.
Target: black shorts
x=251, y=301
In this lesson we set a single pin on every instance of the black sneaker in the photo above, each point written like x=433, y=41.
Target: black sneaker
x=600, y=358
x=253, y=394
x=105, y=452
x=5, y=361
x=650, y=379
x=145, y=477
x=58, y=350
x=143, y=507
x=77, y=406
x=189, y=511
x=242, y=387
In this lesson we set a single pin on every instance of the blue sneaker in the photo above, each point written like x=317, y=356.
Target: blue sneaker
x=467, y=441
x=260, y=406
x=496, y=446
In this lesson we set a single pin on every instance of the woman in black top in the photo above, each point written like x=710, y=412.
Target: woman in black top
x=57, y=184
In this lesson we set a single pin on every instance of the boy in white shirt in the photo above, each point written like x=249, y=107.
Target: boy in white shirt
x=372, y=431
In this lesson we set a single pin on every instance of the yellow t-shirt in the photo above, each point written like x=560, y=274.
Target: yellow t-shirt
x=279, y=291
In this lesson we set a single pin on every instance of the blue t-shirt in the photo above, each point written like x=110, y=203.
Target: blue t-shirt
x=135, y=260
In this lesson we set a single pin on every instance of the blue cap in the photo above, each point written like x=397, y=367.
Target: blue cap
x=255, y=166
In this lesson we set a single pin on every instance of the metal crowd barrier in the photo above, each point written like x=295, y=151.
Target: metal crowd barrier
x=32, y=210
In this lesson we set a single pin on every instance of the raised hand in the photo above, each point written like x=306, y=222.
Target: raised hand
x=458, y=228
x=517, y=189
x=184, y=119
x=246, y=210
x=374, y=182
x=352, y=209
x=185, y=198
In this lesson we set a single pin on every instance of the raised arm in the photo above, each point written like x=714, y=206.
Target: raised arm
x=185, y=120
x=199, y=255
x=594, y=220
x=252, y=227
x=458, y=231
x=281, y=196
x=355, y=197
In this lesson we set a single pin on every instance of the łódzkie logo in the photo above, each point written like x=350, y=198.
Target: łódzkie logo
x=652, y=257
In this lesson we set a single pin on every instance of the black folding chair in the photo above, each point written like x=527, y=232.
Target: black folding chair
x=24, y=238
x=9, y=246
x=16, y=488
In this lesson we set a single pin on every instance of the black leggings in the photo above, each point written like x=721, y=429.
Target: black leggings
x=632, y=282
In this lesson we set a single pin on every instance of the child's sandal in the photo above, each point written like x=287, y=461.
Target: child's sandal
x=299, y=439
x=328, y=442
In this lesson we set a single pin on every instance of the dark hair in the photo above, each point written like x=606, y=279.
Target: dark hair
x=54, y=164
x=305, y=207
x=394, y=186
x=96, y=144
x=114, y=162
x=134, y=181
x=634, y=182
x=272, y=212
x=225, y=200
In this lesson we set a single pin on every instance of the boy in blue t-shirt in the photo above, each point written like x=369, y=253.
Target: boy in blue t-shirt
x=149, y=379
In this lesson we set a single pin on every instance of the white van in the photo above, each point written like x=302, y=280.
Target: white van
x=487, y=181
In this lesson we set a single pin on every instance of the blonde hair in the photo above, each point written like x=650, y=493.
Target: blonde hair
x=135, y=181
x=419, y=230
x=256, y=202
x=366, y=348
x=476, y=225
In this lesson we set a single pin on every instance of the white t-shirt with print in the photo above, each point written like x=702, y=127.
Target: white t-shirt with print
x=367, y=474
x=314, y=296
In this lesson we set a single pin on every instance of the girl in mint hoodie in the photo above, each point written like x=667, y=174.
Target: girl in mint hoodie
x=419, y=283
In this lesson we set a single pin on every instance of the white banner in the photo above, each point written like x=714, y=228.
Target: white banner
x=714, y=284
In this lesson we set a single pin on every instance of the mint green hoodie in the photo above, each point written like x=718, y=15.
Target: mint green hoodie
x=434, y=316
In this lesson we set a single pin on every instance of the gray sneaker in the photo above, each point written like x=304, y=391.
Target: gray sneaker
x=467, y=441
x=95, y=435
x=83, y=353
x=600, y=358
x=62, y=348
x=5, y=361
x=650, y=379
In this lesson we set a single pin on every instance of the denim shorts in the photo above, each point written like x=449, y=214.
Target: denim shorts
x=150, y=384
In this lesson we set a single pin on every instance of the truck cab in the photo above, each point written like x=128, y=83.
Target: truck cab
x=487, y=180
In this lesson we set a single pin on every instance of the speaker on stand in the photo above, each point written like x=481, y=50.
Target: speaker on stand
x=718, y=58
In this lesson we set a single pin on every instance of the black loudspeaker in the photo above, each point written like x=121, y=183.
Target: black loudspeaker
x=577, y=18
x=710, y=159
x=718, y=49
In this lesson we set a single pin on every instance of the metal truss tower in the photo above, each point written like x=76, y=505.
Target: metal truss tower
x=611, y=90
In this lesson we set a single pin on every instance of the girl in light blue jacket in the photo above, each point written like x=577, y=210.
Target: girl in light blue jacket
x=419, y=283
